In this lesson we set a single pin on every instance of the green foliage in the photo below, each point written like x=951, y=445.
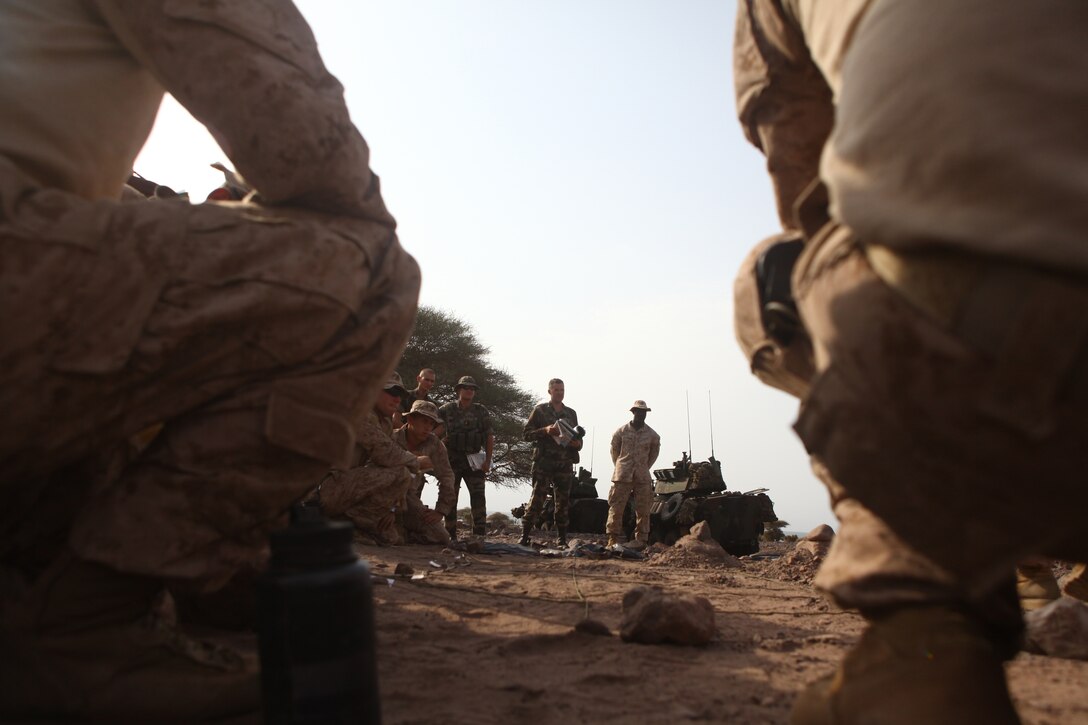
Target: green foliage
x=772, y=531
x=791, y=538
x=498, y=517
x=450, y=347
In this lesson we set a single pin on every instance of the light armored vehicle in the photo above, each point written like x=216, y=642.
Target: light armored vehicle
x=691, y=492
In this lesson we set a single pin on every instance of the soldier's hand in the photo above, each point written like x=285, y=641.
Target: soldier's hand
x=424, y=463
x=553, y=429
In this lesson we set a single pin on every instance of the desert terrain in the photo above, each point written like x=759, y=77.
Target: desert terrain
x=486, y=638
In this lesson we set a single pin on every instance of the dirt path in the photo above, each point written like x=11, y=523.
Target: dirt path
x=491, y=640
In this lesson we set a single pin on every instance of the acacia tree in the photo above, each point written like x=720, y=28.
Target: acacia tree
x=449, y=346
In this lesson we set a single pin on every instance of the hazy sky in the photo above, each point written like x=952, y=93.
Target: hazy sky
x=574, y=183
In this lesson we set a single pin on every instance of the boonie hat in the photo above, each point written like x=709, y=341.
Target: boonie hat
x=466, y=381
x=639, y=405
x=426, y=408
x=394, y=384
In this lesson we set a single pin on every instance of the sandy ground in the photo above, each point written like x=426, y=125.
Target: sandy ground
x=490, y=639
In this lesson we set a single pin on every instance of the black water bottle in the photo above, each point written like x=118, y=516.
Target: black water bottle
x=316, y=626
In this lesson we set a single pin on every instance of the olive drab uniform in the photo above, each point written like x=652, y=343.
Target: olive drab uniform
x=553, y=465
x=946, y=299
x=467, y=431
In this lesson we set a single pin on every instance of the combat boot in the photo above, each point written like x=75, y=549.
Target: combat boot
x=636, y=545
x=561, y=542
x=83, y=643
x=930, y=665
x=612, y=541
x=1036, y=585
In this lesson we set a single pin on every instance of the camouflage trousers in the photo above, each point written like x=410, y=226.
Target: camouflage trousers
x=558, y=482
x=250, y=337
x=369, y=497
x=476, y=483
x=618, y=496
x=947, y=420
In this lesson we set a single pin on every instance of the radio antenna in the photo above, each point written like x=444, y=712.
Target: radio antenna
x=710, y=404
x=687, y=404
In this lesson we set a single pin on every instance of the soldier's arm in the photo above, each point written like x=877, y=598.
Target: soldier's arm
x=533, y=430
x=617, y=442
x=447, y=494
x=250, y=71
x=783, y=101
x=383, y=450
x=655, y=450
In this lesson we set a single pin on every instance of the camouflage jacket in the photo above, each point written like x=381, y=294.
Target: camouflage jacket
x=466, y=430
x=547, y=453
x=634, y=452
x=433, y=448
x=374, y=444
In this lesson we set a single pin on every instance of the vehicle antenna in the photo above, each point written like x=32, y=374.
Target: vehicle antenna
x=710, y=402
x=687, y=404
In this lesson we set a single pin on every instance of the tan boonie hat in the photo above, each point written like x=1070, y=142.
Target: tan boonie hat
x=639, y=405
x=466, y=381
x=426, y=408
x=394, y=384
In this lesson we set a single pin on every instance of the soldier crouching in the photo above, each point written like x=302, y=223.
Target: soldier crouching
x=416, y=437
x=247, y=337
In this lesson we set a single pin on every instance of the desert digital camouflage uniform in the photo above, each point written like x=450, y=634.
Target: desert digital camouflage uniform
x=634, y=451
x=433, y=448
x=252, y=332
x=371, y=491
x=946, y=299
x=552, y=465
x=466, y=432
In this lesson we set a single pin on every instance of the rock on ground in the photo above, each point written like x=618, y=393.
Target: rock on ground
x=695, y=548
x=1059, y=629
x=653, y=616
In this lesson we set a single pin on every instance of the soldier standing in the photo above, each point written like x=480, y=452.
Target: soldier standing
x=634, y=449
x=424, y=382
x=553, y=460
x=468, y=435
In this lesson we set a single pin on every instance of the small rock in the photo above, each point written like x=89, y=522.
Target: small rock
x=404, y=570
x=702, y=532
x=593, y=626
x=823, y=532
x=652, y=616
x=1060, y=629
x=818, y=549
x=702, y=544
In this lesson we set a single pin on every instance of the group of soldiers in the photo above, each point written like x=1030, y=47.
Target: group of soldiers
x=405, y=437
x=401, y=439
x=175, y=376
